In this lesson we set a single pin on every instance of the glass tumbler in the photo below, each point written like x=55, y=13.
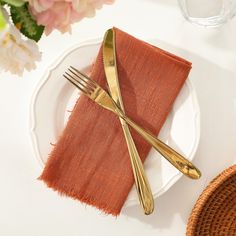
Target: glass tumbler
x=208, y=12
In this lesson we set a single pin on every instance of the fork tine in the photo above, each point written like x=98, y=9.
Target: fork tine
x=83, y=85
x=76, y=72
x=82, y=80
x=75, y=82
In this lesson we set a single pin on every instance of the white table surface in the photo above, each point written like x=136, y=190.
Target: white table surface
x=28, y=208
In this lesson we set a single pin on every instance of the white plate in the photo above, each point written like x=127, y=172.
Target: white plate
x=54, y=96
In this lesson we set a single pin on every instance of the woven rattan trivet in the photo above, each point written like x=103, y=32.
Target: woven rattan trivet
x=214, y=213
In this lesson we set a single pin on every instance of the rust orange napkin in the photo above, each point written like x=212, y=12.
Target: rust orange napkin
x=90, y=161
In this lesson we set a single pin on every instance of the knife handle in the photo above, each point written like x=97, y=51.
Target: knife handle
x=176, y=159
x=141, y=181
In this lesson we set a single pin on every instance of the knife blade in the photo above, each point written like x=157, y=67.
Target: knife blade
x=110, y=67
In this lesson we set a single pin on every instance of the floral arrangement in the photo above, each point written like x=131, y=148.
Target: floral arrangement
x=22, y=23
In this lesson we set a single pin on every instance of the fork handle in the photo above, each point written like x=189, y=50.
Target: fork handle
x=176, y=159
x=141, y=181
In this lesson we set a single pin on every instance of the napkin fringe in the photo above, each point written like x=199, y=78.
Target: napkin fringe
x=86, y=200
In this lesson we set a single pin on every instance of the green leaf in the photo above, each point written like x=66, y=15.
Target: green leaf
x=23, y=20
x=3, y=22
x=16, y=3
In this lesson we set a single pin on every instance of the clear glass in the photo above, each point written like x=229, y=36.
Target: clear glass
x=208, y=12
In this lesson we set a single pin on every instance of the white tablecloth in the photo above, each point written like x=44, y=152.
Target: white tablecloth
x=28, y=208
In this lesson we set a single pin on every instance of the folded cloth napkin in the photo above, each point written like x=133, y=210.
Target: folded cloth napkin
x=90, y=161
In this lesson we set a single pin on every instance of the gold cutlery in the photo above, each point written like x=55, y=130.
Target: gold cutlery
x=141, y=181
x=92, y=90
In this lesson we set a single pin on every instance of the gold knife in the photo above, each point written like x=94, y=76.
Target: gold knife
x=141, y=181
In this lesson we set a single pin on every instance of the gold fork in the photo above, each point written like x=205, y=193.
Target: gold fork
x=92, y=90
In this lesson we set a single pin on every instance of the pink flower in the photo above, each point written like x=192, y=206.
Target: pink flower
x=41, y=5
x=60, y=14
